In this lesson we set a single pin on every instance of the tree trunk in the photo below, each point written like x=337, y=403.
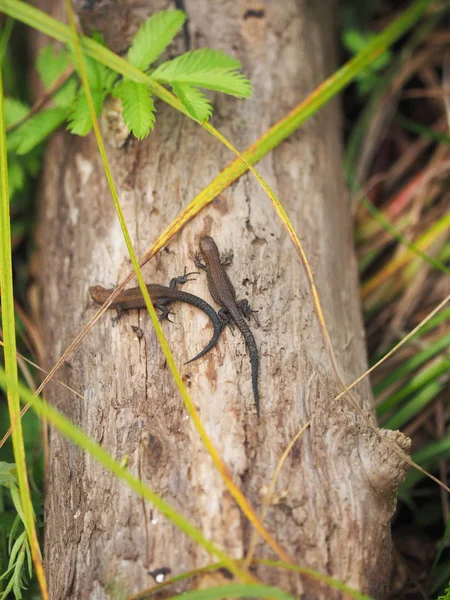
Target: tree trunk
x=337, y=487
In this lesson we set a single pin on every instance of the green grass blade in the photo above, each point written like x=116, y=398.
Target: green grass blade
x=401, y=239
x=415, y=405
x=235, y=590
x=413, y=384
x=442, y=545
x=9, y=336
x=437, y=319
x=422, y=131
x=413, y=363
x=427, y=457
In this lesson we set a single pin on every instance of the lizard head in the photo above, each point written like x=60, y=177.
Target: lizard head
x=99, y=294
x=208, y=245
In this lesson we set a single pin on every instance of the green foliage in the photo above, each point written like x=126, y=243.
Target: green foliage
x=15, y=111
x=50, y=66
x=446, y=595
x=20, y=567
x=38, y=128
x=368, y=79
x=138, y=107
x=197, y=104
x=100, y=80
x=154, y=36
x=206, y=68
x=80, y=119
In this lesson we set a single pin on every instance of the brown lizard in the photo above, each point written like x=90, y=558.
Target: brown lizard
x=223, y=292
x=161, y=296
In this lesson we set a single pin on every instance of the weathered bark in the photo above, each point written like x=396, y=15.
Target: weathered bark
x=339, y=482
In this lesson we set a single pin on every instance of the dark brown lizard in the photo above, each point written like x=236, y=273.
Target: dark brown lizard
x=232, y=310
x=161, y=296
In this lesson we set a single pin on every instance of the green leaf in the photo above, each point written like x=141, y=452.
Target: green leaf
x=206, y=68
x=154, y=36
x=14, y=490
x=80, y=121
x=7, y=472
x=50, y=65
x=16, y=548
x=99, y=77
x=35, y=130
x=7, y=589
x=15, y=111
x=138, y=107
x=196, y=103
x=18, y=584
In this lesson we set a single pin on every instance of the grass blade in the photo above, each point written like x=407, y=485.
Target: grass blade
x=8, y=322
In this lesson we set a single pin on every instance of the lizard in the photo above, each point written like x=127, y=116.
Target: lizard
x=223, y=292
x=161, y=296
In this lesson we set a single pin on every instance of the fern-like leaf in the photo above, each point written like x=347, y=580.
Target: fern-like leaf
x=99, y=77
x=205, y=68
x=154, y=36
x=50, y=66
x=40, y=126
x=138, y=107
x=80, y=121
x=196, y=103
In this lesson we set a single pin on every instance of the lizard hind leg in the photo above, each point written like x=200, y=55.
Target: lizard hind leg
x=165, y=312
x=245, y=309
x=226, y=319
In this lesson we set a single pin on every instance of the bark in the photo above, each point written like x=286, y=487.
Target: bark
x=337, y=487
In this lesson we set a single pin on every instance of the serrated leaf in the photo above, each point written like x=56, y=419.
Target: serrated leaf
x=99, y=77
x=108, y=79
x=196, y=61
x=80, y=121
x=196, y=103
x=138, y=108
x=35, y=130
x=206, y=68
x=50, y=66
x=15, y=111
x=154, y=36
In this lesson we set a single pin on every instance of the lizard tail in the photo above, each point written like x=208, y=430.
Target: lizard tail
x=218, y=327
x=253, y=351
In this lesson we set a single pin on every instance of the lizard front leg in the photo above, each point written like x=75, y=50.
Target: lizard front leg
x=182, y=279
